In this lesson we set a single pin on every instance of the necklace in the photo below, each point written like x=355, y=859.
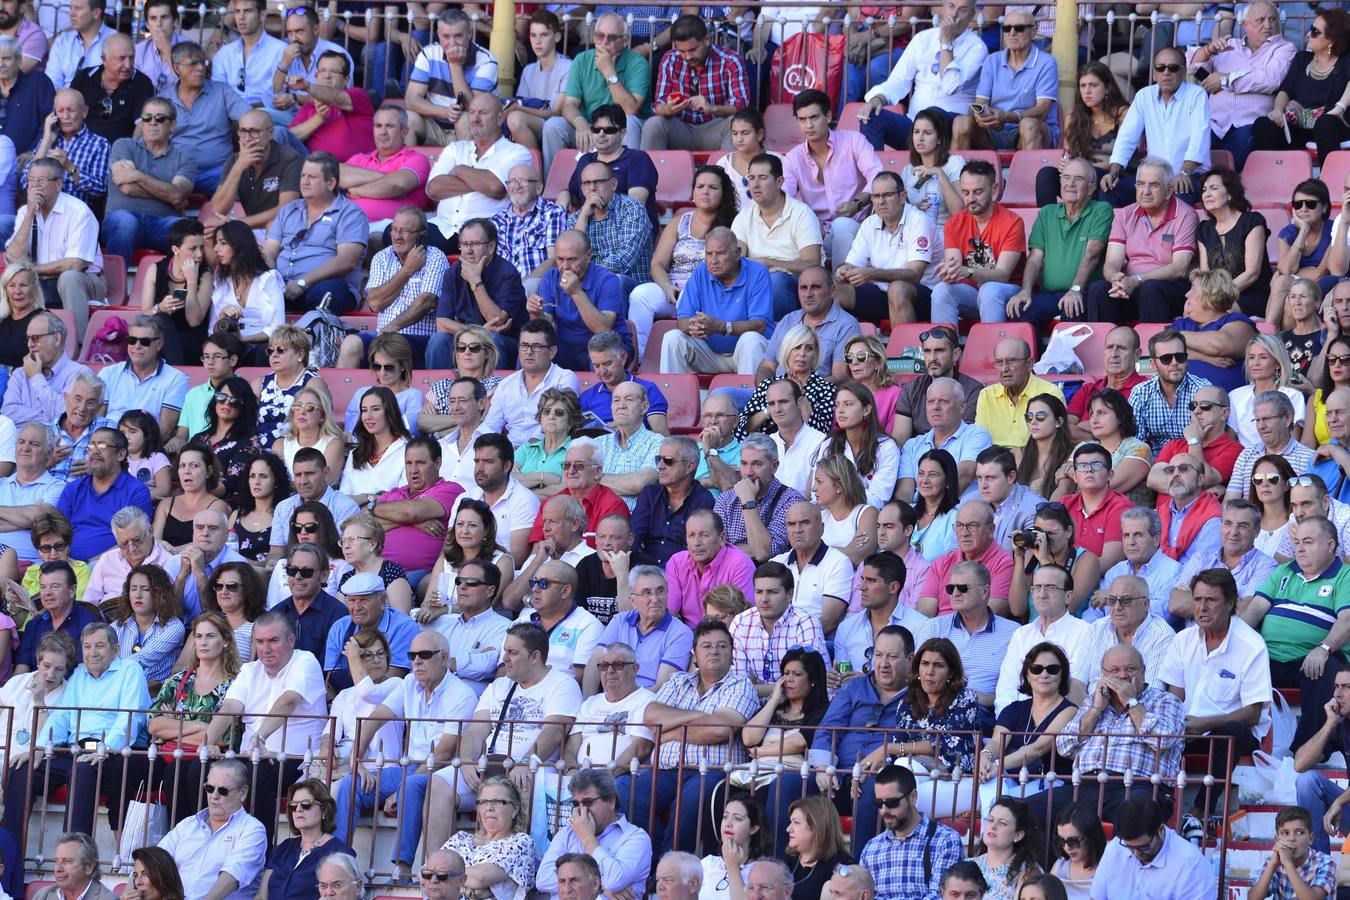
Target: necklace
x=798, y=866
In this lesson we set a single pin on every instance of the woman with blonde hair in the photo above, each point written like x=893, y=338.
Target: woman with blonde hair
x=498, y=854
x=391, y=359
x=288, y=358
x=850, y=521
x=1268, y=368
x=815, y=845
x=865, y=356
x=476, y=356
x=1303, y=339
x=20, y=299
x=539, y=460
x=310, y=423
x=799, y=357
x=1215, y=333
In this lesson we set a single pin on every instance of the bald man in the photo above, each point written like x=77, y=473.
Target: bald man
x=1001, y=409
x=191, y=568
x=262, y=176
x=114, y=90
x=82, y=155
x=581, y=297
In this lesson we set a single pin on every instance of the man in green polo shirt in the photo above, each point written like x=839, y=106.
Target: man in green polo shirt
x=609, y=73
x=1065, y=250
x=1304, y=613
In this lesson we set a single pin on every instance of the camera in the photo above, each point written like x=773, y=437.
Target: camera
x=1026, y=538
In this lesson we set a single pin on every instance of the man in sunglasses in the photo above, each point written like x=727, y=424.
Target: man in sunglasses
x=1162, y=404
x=662, y=509
x=634, y=171
x=150, y=182
x=145, y=381
x=220, y=851
x=1148, y=859
x=311, y=610
x=609, y=730
x=1206, y=437
x=1016, y=102
x=114, y=91
x=910, y=857
x=442, y=876
x=597, y=828
x=1274, y=423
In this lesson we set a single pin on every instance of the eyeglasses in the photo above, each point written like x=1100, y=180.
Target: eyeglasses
x=272, y=351
x=1168, y=359
x=1007, y=29
x=521, y=182
x=300, y=571
x=231, y=587
x=373, y=654
x=1338, y=360
x=1169, y=68
x=1267, y=478
x=884, y=195
x=542, y=584
x=575, y=466
x=214, y=357
x=856, y=359
x=52, y=548
x=104, y=445
x=614, y=666
x=665, y=460
x=157, y=118
x=34, y=338
x=496, y=803
x=217, y=789
x=587, y=802
x=253, y=132
x=595, y=183
x=297, y=805
x=439, y=877
x=333, y=885
x=601, y=36
x=351, y=539
x=470, y=348
x=953, y=589
x=423, y=654
x=1051, y=669
x=532, y=348
x=610, y=130
x=1121, y=600
x=969, y=526
x=1007, y=363
x=1039, y=416
x=1095, y=465
x=1305, y=204
x=475, y=245
x=1207, y=405
x=141, y=341
x=222, y=397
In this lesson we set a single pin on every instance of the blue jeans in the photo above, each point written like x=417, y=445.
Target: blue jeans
x=784, y=288
x=1239, y=141
x=987, y=304
x=282, y=135
x=441, y=351
x=385, y=63
x=1044, y=307
x=124, y=232
x=739, y=396
x=691, y=796
x=1315, y=794
x=208, y=179
x=887, y=129
x=418, y=342
x=409, y=808
x=859, y=79
x=343, y=300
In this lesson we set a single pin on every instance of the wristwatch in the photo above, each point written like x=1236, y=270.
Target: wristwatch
x=304, y=285
x=475, y=287
x=1076, y=289
x=613, y=79
x=728, y=329
x=714, y=453
x=1132, y=703
x=1324, y=646
x=950, y=48
x=750, y=504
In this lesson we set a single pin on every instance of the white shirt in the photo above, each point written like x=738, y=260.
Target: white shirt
x=1223, y=680
x=854, y=638
x=9, y=436
x=450, y=703
x=602, y=744
x=1151, y=639
x=788, y=20
x=953, y=90
x=556, y=694
x=262, y=59
x=878, y=248
x=1072, y=635
x=456, y=466
x=573, y=640
x=515, y=510
x=68, y=55
x=1338, y=514
x=1175, y=131
x=795, y=463
x=378, y=477
x=238, y=848
x=257, y=691
x=17, y=700
x=501, y=158
x=514, y=407
x=828, y=574
x=357, y=702
x=264, y=308
x=69, y=230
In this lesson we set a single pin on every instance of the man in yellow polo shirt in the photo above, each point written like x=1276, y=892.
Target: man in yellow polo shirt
x=1001, y=409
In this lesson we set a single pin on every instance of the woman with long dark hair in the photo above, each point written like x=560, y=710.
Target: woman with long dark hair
x=148, y=620
x=154, y=876
x=1011, y=840
x=938, y=487
x=1303, y=247
x=1335, y=374
x=472, y=536
x=1080, y=841
x=268, y=483
x=236, y=592
x=247, y=295
x=932, y=173
x=935, y=728
x=1311, y=102
x=1271, y=480
x=198, y=482
x=782, y=729
x=178, y=292
x=1232, y=238
x=1090, y=131
x=860, y=439
x=1047, y=448
x=232, y=434
x=743, y=836
x=376, y=463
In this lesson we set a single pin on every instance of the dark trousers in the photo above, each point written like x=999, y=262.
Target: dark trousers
x=1327, y=134
x=1152, y=301
x=1243, y=745
x=267, y=780
x=887, y=129
x=1047, y=188
x=686, y=797
x=1316, y=693
x=81, y=781
x=341, y=299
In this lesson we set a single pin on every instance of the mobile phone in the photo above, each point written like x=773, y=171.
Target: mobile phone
x=978, y=108
x=180, y=294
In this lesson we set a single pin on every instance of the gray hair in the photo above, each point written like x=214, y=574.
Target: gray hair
x=401, y=111
x=573, y=511
x=95, y=627
x=644, y=572
x=49, y=439
x=618, y=647
x=235, y=765
x=273, y=618
x=688, y=867
x=1256, y=4
x=320, y=553
x=184, y=50
x=456, y=17
x=951, y=384
x=784, y=871
x=978, y=570
x=89, y=380
x=128, y=516
x=591, y=446
x=351, y=870
x=1160, y=165
x=88, y=849
x=721, y=397
x=606, y=342
x=686, y=448
x=1276, y=399
x=761, y=442
x=149, y=322
x=48, y=165
x=1149, y=515
x=599, y=780
x=11, y=46
x=57, y=326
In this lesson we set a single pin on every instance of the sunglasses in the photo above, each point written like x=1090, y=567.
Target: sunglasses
x=1053, y=505
x=1302, y=481
x=157, y=118
x=423, y=654
x=607, y=130
x=105, y=108
x=614, y=666
x=1267, y=478
x=541, y=584
x=1314, y=31
x=222, y=397
x=1305, y=204
x=1338, y=360
x=230, y=586
x=439, y=877
x=217, y=789
x=1038, y=416
x=857, y=359
x=1051, y=669
x=1073, y=843
x=463, y=582
x=141, y=341
x=1121, y=600
x=298, y=805
x=1007, y=29
x=890, y=802
x=954, y=589
x=1168, y=359
x=385, y=368
x=1207, y=405
x=470, y=348
x=945, y=334
x=1170, y=68
x=273, y=351
x=1184, y=468
x=307, y=528
x=300, y=571
x=665, y=460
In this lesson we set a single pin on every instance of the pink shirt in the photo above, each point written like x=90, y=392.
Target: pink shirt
x=849, y=170
x=342, y=132
x=1148, y=248
x=109, y=575
x=688, y=585
x=409, y=546
x=406, y=158
x=1250, y=95
x=998, y=561
x=916, y=570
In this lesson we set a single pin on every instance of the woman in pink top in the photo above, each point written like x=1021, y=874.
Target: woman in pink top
x=866, y=359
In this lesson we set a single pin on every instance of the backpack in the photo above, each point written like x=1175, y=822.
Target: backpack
x=326, y=331
x=110, y=344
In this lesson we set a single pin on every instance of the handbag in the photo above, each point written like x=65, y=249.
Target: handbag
x=145, y=824
x=808, y=61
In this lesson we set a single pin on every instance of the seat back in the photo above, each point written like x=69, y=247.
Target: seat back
x=1270, y=176
x=780, y=128
x=977, y=360
x=1334, y=171
x=1021, y=187
x=143, y=269
x=674, y=178
x=560, y=173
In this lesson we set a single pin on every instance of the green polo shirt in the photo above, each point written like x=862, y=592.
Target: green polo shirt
x=1064, y=242
x=585, y=83
x=1301, y=611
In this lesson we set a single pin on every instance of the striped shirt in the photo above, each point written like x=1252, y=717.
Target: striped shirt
x=1302, y=610
x=385, y=265
x=643, y=446
x=981, y=652
x=683, y=691
x=1151, y=639
x=622, y=240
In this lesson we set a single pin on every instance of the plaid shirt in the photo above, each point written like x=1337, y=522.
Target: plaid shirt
x=525, y=240
x=79, y=447
x=1317, y=871
x=428, y=280
x=622, y=241
x=896, y=863
x=89, y=155
x=772, y=510
x=734, y=692
x=638, y=455
x=1127, y=751
x=756, y=652
x=722, y=82
x=1157, y=422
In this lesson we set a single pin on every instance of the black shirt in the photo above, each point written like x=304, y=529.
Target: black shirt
x=595, y=592
x=280, y=173
x=114, y=115
x=14, y=339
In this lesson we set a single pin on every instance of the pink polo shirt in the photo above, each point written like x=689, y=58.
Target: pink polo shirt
x=1148, y=248
x=998, y=561
x=849, y=170
x=687, y=584
x=407, y=158
x=409, y=546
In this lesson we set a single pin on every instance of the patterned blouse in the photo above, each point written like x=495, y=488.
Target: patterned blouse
x=953, y=750
x=274, y=404
x=235, y=457
x=999, y=878
x=819, y=392
x=195, y=707
x=514, y=856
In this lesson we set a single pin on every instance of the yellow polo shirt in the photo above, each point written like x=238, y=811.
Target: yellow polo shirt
x=1004, y=420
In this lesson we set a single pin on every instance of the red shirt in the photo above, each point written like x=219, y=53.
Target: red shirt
x=980, y=249
x=342, y=133
x=1222, y=454
x=1078, y=406
x=1094, y=532
x=600, y=502
x=998, y=561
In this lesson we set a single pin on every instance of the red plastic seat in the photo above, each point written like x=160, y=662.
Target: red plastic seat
x=431, y=153
x=1021, y=187
x=674, y=178
x=1334, y=171
x=682, y=397
x=1091, y=351
x=651, y=354
x=781, y=132
x=1271, y=175
x=1146, y=330
x=344, y=385
x=906, y=335
x=115, y=274
x=143, y=267
x=1221, y=159
x=732, y=381
x=977, y=360
x=1276, y=218
x=72, y=339
x=1027, y=215
x=560, y=173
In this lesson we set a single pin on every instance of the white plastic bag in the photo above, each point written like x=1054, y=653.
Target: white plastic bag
x=1283, y=724
x=145, y=824
x=1279, y=772
x=1059, y=358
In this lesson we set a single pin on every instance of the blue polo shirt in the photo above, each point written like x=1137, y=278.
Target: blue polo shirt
x=41, y=626
x=90, y=512
x=306, y=246
x=598, y=400
x=749, y=297
x=26, y=109
x=165, y=388
x=46, y=488
x=503, y=284
x=312, y=627
x=1010, y=89
x=606, y=292
x=205, y=131
x=397, y=627
x=659, y=530
x=1338, y=485
x=670, y=643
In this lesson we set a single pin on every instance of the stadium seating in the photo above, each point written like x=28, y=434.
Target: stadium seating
x=1091, y=351
x=1269, y=176
x=781, y=132
x=1276, y=218
x=977, y=360
x=115, y=274
x=560, y=173
x=1021, y=187
x=674, y=178
x=1334, y=171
